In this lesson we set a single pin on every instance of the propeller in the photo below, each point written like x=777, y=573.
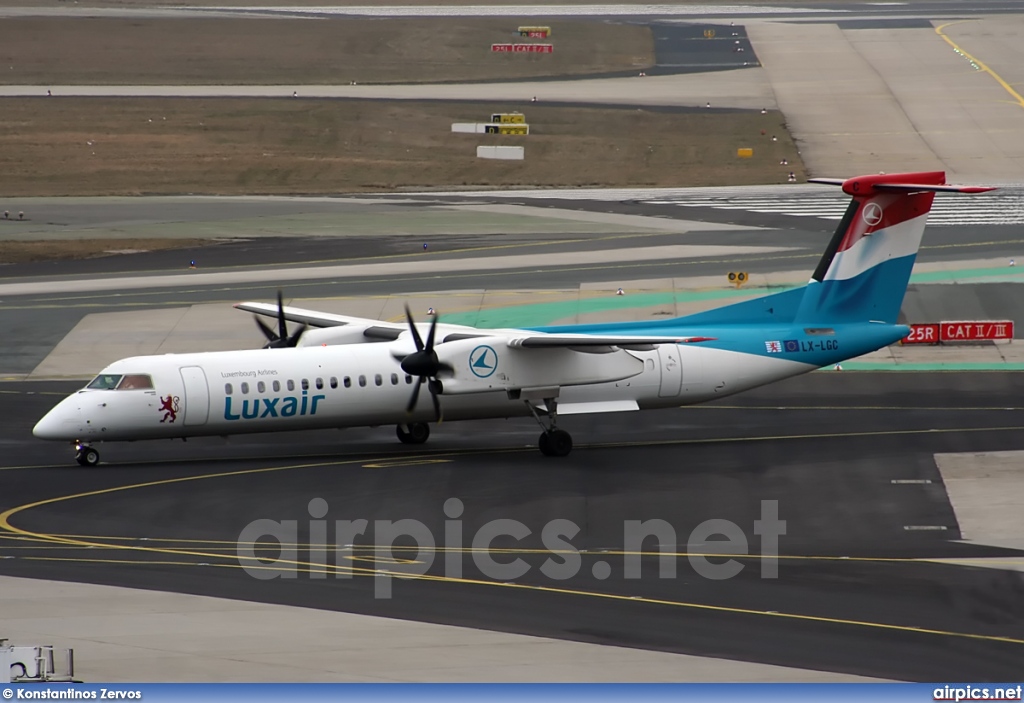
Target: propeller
x=280, y=339
x=424, y=364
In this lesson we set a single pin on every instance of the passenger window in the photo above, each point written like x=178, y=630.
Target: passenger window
x=334, y=382
x=408, y=379
x=305, y=384
x=394, y=379
x=245, y=387
x=362, y=381
x=228, y=390
x=378, y=380
x=277, y=386
x=105, y=382
x=261, y=387
x=319, y=384
x=135, y=381
x=348, y=382
x=291, y=384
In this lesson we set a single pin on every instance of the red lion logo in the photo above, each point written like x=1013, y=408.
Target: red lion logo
x=169, y=407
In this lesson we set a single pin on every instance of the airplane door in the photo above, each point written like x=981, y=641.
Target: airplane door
x=671, y=370
x=197, y=395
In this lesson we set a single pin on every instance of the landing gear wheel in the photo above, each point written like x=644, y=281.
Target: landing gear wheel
x=555, y=443
x=414, y=433
x=87, y=456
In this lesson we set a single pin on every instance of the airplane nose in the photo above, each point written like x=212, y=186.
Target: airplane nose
x=63, y=422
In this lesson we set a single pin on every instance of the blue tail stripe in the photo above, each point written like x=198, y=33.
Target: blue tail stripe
x=874, y=296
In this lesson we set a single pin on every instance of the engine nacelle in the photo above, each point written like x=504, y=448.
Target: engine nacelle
x=330, y=336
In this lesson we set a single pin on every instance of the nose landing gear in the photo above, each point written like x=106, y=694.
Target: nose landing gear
x=85, y=455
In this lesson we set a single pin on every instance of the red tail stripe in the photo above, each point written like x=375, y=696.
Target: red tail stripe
x=884, y=211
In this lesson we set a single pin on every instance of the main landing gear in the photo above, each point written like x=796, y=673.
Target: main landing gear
x=413, y=433
x=553, y=441
x=85, y=455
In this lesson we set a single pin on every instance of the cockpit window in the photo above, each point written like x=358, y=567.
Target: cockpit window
x=135, y=381
x=105, y=382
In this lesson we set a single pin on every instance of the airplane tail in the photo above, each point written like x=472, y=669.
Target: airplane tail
x=863, y=275
x=864, y=272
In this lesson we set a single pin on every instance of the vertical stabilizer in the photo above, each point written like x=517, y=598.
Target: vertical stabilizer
x=864, y=273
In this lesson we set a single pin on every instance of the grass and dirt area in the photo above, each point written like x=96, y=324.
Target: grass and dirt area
x=330, y=51
x=126, y=146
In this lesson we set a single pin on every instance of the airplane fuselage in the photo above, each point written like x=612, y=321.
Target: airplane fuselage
x=238, y=392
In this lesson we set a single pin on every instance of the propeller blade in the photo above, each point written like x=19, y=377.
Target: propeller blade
x=293, y=341
x=282, y=328
x=430, y=335
x=412, y=327
x=415, y=397
x=267, y=332
x=437, y=403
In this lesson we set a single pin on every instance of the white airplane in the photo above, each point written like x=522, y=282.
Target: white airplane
x=351, y=371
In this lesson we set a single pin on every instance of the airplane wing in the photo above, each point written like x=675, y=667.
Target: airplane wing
x=379, y=330
x=313, y=318
x=372, y=329
x=547, y=341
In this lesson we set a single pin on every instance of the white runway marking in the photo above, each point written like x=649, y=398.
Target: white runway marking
x=1002, y=207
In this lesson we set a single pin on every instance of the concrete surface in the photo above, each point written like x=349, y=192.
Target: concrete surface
x=125, y=635
x=248, y=218
x=866, y=100
x=741, y=88
x=418, y=265
x=987, y=494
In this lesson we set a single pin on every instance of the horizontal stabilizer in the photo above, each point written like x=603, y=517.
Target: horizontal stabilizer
x=864, y=186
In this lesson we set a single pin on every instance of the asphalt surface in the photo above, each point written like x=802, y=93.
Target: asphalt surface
x=835, y=450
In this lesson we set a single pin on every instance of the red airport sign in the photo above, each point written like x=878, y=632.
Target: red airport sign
x=523, y=48
x=959, y=331
x=533, y=48
x=922, y=334
x=975, y=330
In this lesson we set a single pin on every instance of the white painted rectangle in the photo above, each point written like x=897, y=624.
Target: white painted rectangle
x=490, y=127
x=606, y=406
x=510, y=153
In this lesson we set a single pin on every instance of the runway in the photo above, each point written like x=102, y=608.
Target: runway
x=852, y=472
